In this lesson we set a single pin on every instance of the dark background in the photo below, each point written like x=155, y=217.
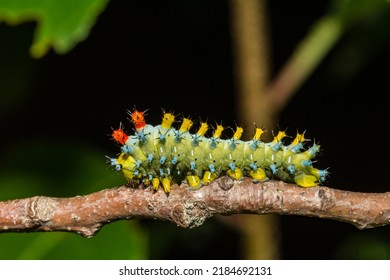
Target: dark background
x=178, y=55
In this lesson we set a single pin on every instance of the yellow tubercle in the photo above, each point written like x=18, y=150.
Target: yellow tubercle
x=258, y=174
x=218, y=131
x=279, y=137
x=235, y=174
x=167, y=120
x=298, y=139
x=306, y=181
x=166, y=182
x=203, y=128
x=258, y=134
x=208, y=177
x=146, y=182
x=127, y=163
x=185, y=125
x=155, y=183
x=193, y=181
x=237, y=135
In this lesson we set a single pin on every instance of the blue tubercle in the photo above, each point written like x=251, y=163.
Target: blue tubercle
x=141, y=137
x=291, y=169
x=277, y=146
x=212, y=168
x=127, y=149
x=297, y=148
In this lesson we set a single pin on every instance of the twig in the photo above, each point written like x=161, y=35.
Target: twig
x=188, y=208
x=307, y=56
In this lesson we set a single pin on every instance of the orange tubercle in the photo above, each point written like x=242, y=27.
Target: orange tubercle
x=120, y=136
x=138, y=119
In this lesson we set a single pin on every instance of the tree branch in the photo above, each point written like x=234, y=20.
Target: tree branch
x=86, y=214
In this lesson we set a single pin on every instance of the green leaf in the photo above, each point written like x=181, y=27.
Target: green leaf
x=364, y=246
x=351, y=12
x=64, y=168
x=60, y=24
x=119, y=240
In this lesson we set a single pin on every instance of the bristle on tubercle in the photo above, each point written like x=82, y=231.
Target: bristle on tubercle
x=119, y=135
x=138, y=119
x=159, y=156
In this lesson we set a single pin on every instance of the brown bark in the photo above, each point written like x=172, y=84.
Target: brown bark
x=187, y=208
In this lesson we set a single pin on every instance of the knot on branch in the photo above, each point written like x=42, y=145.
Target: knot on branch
x=326, y=197
x=225, y=183
x=41, y=209
x=190, y=214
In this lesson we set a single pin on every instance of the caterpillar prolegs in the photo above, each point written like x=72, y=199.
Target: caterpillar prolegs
x=159, y=155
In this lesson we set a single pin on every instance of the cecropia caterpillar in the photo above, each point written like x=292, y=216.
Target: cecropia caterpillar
x=159, y=155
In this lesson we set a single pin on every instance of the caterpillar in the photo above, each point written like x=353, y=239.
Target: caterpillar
x=161, y=155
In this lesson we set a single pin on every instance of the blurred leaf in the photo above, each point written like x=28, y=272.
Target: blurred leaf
x=41, y=245
x=365, y=41
x=120, y=240
x=61, y=168
x=325, y=33
x=365, y=246
x=352, y=11
x=64, y=168
x=61, y=24
x=16, y=71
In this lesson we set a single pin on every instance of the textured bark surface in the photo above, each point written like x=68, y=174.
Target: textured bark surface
x=187, y=208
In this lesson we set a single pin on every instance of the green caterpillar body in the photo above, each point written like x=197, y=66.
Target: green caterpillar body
x=159, y=155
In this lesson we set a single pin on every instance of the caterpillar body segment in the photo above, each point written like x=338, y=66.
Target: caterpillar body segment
x=161, y=155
